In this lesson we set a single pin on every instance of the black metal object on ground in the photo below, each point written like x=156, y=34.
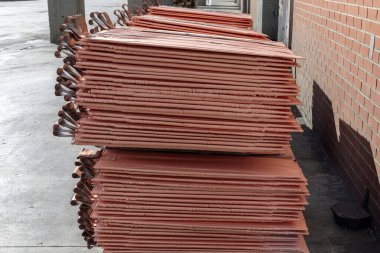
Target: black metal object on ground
x=352, y=214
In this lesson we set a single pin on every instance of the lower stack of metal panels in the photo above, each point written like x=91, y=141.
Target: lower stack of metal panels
x=139, y=201
x=151, y=90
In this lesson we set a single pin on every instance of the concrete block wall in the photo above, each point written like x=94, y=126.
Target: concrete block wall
x=58, y=10
x=340, y=86
x=265, y=16
x=253, y=12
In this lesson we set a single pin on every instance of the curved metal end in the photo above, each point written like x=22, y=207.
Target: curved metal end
x=63, y=123
x=60, y=39
x=71, y=84
x=107, y=20
x=59, y=79
x=66, y=37
x=125, y=7
x=69, y=107
x=85, y=234
x=57, y=93
x=69, y=60
x=68, y=98
x=61, y=132
x=60, y=71
x=69, y=39
x=91, y=243
x=145, y=6
x=73, y=201
x=73, y=71
x=75, y=190
x=71, y=115
x=66, y=67
x=62, y=27
x=88, y=233
x=86, y=176
x=57, y=86
x=61, y=90
x=85, y=207
x=99, y=20
x=138, y=12
x=117, y=13
x=57, y=54
x=120, y=22
x=67, y=19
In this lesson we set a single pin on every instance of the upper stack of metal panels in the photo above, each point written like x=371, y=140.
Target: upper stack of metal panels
x=147, y=88
x=239, y=20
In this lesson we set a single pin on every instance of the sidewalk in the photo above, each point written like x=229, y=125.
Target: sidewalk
x=36, y=167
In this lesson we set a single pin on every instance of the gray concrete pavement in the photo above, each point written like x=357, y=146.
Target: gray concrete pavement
x=35, y=167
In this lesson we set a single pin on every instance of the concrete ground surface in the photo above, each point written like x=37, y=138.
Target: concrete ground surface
x=35, y=167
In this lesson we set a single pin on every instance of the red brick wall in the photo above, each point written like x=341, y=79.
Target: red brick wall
x=340, y=86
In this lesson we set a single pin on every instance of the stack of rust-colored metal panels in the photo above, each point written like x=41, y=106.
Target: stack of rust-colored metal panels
x=192, y=21
x=222, y=18
x=135, y=201
x=175, y=91
x=172, y=24
x=135, y=88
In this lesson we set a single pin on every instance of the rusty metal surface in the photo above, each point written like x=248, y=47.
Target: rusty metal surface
x=190, y=202
x=172, y=24
x=227, y=19
x=147, y=88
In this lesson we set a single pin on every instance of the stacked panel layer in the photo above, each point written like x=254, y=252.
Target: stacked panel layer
x=177, y=91
x=170, y=202
x=221, y=18
x=173, y=24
